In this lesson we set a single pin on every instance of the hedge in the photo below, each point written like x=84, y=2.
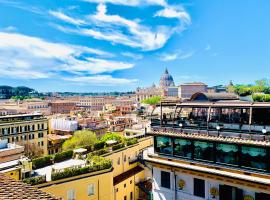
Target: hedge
x=35, y=180
x=69, y=172
x=131, y=141
x=99, y=152
x=65, y=155
x=99, y=145
x=42, y=162
x=118, y=146
x=261, y=97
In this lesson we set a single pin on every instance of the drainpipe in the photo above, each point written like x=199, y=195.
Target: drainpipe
x=175, y=187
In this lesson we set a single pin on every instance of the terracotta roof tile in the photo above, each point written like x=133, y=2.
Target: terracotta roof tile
x=12, y=189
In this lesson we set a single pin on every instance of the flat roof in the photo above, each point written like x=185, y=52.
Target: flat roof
x=47, y=171
x=20, y=115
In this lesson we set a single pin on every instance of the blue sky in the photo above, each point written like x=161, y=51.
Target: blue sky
x=108, y=45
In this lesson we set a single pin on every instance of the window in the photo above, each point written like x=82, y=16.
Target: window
x=254, y=157
x=125, y=158
x=71, y=194
x=227, y=153
x=118, y=161
x=125, y=185
x=182, y=148
x=165, y=179
x=204, y=150
x=163, y=145
x=131, y=196
x=130, y=182
x=125, y=197
x=199, y=188
x=91, y=189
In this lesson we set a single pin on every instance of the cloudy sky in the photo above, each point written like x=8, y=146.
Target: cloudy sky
x=108, y=45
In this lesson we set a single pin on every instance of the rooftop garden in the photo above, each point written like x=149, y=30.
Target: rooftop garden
x=94, y=163
x=94, y=147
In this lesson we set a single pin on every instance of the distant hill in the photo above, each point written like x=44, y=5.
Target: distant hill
x=6, y=92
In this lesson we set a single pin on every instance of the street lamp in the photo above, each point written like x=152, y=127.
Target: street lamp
x=264, y=131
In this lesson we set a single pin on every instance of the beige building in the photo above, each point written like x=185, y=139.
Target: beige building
x=94, y=103
x=186, y=90
x=25, y=129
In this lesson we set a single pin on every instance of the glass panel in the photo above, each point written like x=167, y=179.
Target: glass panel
x=227, y=153
x=182, y=148
x=204, y=150
x=254, y=157
x=164, y=145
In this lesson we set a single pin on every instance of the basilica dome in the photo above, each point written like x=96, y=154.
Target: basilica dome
x=166, y=80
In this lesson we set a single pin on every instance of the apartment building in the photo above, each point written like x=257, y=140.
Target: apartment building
x=25, y=129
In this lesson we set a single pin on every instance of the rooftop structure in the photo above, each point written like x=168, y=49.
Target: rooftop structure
x=211, y=148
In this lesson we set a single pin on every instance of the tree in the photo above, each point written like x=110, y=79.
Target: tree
x=32, y=150
x=80, y=139
x=112, y=136
x=152, y=100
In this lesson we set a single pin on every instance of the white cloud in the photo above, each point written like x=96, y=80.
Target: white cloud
x=132, y=55
x=66, y=18
x=174, y=12
x=129, y=32
x=28, y=57
x=168, y=57
x=180, y=55
x=102, y=80
x=139, y=36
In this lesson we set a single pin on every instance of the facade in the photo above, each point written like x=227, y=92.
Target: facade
x=188, y=89
x=25, y=129
x=63, y=124
x=166, y=81
x=94, y=103
x=211, y=150
x=172, y=92
x=145, y=93
x=35, y=106
x=62, y=106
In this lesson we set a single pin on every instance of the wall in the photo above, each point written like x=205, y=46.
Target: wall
x=186, y=193
x=103, y=185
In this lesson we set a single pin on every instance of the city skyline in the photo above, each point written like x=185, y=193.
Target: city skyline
x=91, y=45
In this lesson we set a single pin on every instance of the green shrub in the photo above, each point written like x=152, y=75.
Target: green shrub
x=118, y=146
x=112, y=136
x=97, y=163
x=35, y=180
x=42, y=162
x=61, y=156
x=99, y=152
x=261, y=97
x=132, y=141
x=99, y=145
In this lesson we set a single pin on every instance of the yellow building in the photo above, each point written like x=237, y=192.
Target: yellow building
x=25, y=129
x=119, y=182
x=92, y=186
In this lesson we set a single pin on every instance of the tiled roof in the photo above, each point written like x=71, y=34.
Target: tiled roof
x=126, y=175
x=12, y=189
